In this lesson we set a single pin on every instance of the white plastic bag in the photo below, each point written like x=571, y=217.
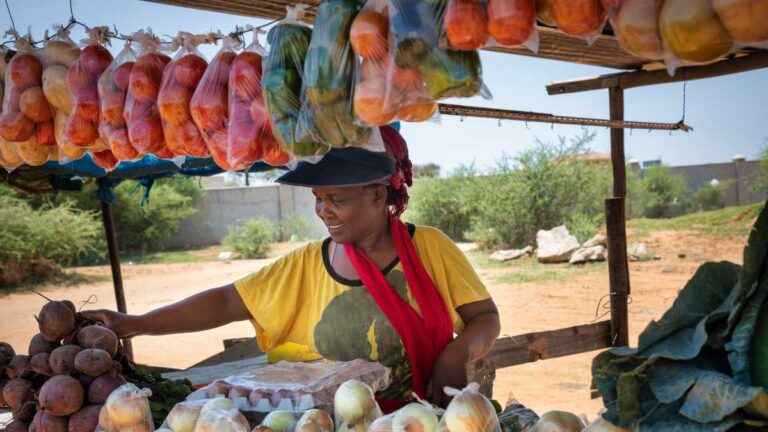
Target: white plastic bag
x=469, y=410
x=127, y=409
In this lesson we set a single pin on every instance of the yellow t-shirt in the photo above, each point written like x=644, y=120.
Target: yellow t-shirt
x=300, y=301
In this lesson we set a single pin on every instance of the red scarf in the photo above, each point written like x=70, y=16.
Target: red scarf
x=424, y=336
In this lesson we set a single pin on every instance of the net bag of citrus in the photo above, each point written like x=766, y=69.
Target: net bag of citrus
x=180, y=79
x=327, y=106
x=474, y=24
x=282, y=80
x=209, y=104
x=113, y=89
x=249, y=129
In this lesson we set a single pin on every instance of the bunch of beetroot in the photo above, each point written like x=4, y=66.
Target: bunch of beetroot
x=65, y=377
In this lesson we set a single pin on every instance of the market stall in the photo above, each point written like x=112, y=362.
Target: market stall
x=578, y=35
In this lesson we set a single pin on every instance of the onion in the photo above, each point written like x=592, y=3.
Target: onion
x=381, y=424
x=218, y=404
x=469, y=410
x=354, y=402
x=603, y=425
x=128, y=406
x=214, y=420
x=315, y=420
x=558, y=421
x=183, y=417
x=415, y=417
x=279, y=421
x=16, y=392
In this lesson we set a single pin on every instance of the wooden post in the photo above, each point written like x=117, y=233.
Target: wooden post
x=114, y=262
x=615, y=220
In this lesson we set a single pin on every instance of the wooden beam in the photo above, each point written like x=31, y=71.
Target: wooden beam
x=114, y=262
x=531, y=347
x=627, y=80
x=618, y=270
x=618, y=162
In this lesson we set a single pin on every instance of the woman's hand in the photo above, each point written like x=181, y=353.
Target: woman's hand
x=123, y=325
x=450, y=371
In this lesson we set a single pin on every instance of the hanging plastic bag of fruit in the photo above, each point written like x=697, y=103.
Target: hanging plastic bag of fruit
x=27, y=117
x=474, y=24
x=249, y=130
x=113, y=87
x=82, y=77
x=209, y=103
x=469, y=410
x=9, y=156
x=692, y=33
x=584, y=19
x=745, y=20
x=180, y=80
x=145, y=130
x=282, y=79
x=58, y=54
x=327, y=106
x=386, y=91
x=636, y=24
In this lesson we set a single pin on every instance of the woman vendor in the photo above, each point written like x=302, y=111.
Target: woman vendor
x=377, y=289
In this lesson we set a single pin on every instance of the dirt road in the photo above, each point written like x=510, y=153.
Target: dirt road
x=525, y=307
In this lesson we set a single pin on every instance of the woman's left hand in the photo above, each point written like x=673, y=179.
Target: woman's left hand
x=450, y=371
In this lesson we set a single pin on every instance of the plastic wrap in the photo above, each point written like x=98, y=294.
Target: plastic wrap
x=113, y=87
x=745, y=20
x=209, y=104
x=180, y=80
x=126, y=409
x=282, y=79
x=327, y=115
x=636, y=24
x=248, y=123
x=83, y=76
x=206, y=415
x=295, y=387
x=474, y=24
x=544, y=13
x=692, y=33
x=417, y=72
x=581, y=18
x=58, y=54
x=469, y=410
x=27, y=117
x=145, y=130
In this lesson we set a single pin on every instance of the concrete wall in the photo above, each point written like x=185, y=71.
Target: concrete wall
x=738, y=179
x=221, y=209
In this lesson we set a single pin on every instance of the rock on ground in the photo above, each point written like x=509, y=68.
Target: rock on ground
x=512, y=254
x=556, y=245
x=589, y=254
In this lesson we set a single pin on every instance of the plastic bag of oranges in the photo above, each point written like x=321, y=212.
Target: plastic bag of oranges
x=180, y=80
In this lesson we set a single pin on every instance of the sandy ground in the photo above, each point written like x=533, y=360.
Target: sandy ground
x=552, y=384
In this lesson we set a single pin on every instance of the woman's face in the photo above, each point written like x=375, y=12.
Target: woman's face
x=351, y=213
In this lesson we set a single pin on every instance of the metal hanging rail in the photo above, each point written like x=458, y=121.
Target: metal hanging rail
x=528, y=116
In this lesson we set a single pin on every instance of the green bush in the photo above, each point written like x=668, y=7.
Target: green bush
x=143, y=225
x=296, y=228
x=39, y=240
x=662, y=194
x=761, y=182
x=542, y=188
x=583, y=226
x=708, y=197
x=445, y=203
x=252, y=239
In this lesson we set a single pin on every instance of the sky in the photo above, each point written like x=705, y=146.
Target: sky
x=729, y=114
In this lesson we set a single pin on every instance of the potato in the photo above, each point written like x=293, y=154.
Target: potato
x=61, y=395
x=38, y=344
x=87, y=103
x=95, y=59
x=146, y=134
x=173, y=104
x=96, y=336
x=79, y=131
x=33, y=153
x=145, y=82
x=62, y=359
x=120, y=145
x=93, y=361
x=188, y=70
